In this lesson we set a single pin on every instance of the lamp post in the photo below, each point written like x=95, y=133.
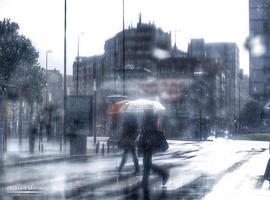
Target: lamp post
x=65, y=73
x=124, y=56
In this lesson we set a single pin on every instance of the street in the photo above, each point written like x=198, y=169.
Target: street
x=210, y=170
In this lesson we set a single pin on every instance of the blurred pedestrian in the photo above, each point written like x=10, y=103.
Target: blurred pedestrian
x=266, y=175
x=127, y=141
x=33, y=132
x=148, y=147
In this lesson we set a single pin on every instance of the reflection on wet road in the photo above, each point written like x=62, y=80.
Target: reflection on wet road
x=219, y=169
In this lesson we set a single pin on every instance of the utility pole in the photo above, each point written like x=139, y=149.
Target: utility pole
x=77, y=71
x=65, y=73
x=94, y=102
x=115, y=67
x=124, y=59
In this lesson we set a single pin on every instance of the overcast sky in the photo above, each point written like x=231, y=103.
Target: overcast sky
x=43, y=22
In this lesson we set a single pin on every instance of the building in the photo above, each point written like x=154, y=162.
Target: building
x=227, y=54
x=52, y=103
x=244, y=91
x=191, y=90
x=259, y=64
x=70, y=88
x=201, y=83
x=89, y=79
x=141, y=45
x=54, y=94
x=88, y=74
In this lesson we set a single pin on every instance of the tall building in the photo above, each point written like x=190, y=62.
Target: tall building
x=259, y=65
x=142, y=46
x=227, y=54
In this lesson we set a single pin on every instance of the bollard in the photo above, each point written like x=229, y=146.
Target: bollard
x=97, y=147
x=41, y=147
x=103, y=149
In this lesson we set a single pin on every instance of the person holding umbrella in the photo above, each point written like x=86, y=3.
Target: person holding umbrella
x=149, y=142
x=127, y=141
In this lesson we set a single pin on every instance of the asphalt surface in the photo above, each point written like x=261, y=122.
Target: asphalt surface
x=211, y=170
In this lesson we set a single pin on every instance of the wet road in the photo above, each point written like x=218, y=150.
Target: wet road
x=211, y=170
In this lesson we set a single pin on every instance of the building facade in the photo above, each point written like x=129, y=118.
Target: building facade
x=136, y=48
x=192, y=93
x=88, y=74
x=54, y=87
x=259, y=65
x=199, y=84
x=89, y=79
x=227, y=55
x=70, y=88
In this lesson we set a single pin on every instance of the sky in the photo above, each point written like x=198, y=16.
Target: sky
x=42, y=21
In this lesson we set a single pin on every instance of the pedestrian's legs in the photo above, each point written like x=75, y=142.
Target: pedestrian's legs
x=162, y=172
x=266, y=175
x=124, y=160
x=135, y=159
x=147, y=162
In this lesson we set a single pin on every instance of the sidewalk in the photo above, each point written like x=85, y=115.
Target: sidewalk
x=19, y=155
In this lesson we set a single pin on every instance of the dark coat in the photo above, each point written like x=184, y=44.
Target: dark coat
x=148, y=130
x=151, y=138
x=129, y=132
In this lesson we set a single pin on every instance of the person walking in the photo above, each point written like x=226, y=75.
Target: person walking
x=147, y=147
x=266, y=176
x=127, y=141
x=33, y=132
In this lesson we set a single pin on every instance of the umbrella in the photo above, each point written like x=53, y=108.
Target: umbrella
x=115, y=108
x=138, y=106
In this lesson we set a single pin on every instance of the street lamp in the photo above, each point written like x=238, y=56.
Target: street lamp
x=47, y=52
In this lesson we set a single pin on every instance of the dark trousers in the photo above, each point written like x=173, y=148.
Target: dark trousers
x=267, y=171
x=147, y=164
x=132, y=151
